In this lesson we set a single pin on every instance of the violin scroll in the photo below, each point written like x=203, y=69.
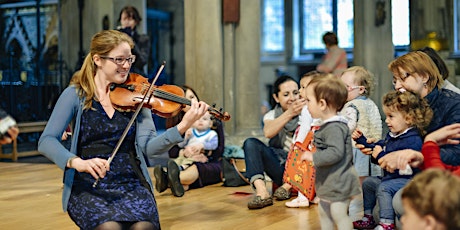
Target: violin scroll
x=223, y=116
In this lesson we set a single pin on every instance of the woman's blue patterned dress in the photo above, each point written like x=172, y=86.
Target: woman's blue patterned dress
x=120, y=196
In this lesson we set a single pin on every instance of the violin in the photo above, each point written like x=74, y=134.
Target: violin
x=166, y=100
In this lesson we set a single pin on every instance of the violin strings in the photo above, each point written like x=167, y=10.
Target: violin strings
x=172, y=97
x=175, y=98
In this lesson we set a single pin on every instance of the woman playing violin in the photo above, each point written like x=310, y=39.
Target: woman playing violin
x=123, y=197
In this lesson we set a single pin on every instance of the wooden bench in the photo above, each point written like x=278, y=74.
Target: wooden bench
x=24, y=127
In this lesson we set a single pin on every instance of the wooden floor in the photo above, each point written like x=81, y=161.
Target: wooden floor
x=30, y=198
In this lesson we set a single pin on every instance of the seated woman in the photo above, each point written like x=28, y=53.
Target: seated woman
x=416, y=72
x=279, y=125
x=199, y=174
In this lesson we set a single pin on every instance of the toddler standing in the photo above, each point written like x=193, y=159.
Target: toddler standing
x=362, y=114
x=336, y=178
x=406, y=116
x=305, y=122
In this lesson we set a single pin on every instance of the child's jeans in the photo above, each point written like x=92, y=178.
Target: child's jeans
x=375, y=189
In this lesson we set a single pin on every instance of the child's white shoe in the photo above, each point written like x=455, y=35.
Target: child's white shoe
x=297, y=203
x=315, y=200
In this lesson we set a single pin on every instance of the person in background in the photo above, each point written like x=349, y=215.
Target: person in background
x=336, y=179
x=407, y=115
x=98, y=194
x=279, y=126
x=363, y=115
x=335, y=60
x=189, y=94
x=199, y=174
x=442, y=67
x=129, y=19
x=432, y=201
x=13, y=133
x=8, y=128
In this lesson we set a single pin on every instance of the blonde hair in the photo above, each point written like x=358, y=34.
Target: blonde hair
x=313, y=73
x=435, y=192
x=101, y=44
x=362, y=77
x=418, y=62
x=415, y=109
x=331, y=89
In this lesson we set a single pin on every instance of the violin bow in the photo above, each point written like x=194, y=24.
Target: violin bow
x=146, y=97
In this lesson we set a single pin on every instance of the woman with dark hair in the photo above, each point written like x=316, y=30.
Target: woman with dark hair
x=335, y=60
x=199, y=174
x=279, y=126
x=129, y=19
x=190, y=94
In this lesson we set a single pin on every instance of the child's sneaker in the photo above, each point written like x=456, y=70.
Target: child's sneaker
x=297, y=203
x=383, y=226
x=366, y=223
x=315, y=200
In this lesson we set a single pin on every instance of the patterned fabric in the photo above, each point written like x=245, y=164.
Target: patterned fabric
x=363, y=113
x=121, y=195
x=368, y=118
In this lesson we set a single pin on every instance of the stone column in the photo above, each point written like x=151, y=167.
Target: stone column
x=373, y=45
x=247, y=68
x=203, y=49
x=222, y=60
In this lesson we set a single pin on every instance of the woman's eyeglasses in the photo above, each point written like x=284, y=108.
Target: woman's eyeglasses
x=121, y=60
x=350, y=88
x=401, y=79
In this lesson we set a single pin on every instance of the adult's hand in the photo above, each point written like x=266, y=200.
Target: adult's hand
x=193, y=150
x=13, y=134
x=296, y=107
x=97, y=167
x=399, y=159
x=200, y=158
x=196, y=111
x=448, y=134
x=273, y=127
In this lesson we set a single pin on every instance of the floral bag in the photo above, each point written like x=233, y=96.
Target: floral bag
x=301, y=174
